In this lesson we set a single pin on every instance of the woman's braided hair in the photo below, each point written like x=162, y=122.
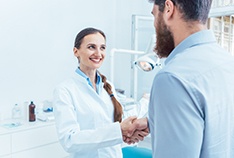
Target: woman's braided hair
x=118, y=111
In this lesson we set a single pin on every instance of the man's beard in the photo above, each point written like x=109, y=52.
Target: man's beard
x=165, y=41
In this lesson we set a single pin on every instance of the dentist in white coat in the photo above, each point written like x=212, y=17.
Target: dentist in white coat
x=87, y=115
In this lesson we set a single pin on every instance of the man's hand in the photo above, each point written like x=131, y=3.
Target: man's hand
x=141, y=124
x=136, y=137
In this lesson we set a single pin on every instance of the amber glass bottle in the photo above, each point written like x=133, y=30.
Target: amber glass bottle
x=32, y=116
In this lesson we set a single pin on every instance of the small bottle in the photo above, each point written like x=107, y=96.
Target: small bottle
x=32, y=116
x=16, y=112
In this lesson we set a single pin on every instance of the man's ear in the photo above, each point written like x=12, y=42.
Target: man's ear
x=169, y=9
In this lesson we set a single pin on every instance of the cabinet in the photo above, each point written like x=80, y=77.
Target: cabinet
x=5, y=144
x=36, y=140
x=31, y=140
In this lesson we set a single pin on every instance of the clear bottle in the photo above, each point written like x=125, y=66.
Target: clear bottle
x=32, y=116
x=16, y=112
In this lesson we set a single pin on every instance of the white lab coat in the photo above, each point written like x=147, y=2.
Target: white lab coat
x=84, y=120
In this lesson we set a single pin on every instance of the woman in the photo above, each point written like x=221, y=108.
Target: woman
x=86, y=111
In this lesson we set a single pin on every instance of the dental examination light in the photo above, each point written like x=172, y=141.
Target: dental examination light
x=124, y=51
x=145, y=63
x=134, y=76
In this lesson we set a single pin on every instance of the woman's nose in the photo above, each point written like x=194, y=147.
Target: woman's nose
x=98, y=52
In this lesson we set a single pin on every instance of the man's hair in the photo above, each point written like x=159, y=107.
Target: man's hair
x=192, y=10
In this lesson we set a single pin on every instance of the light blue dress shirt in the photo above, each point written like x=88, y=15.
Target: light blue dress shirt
x=191, y=109
x=78, y=71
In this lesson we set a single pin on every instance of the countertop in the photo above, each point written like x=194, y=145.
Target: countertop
x=11, y=126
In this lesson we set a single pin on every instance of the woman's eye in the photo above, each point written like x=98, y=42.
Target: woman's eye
x=103, y=48
x=91, y=47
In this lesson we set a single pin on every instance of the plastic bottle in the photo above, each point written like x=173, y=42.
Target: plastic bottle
x=16, y=112
x=32, y=116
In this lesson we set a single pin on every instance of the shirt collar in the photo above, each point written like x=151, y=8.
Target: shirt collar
x=204, y=36
x=79, y=72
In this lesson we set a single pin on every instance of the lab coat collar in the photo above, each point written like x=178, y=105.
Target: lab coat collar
x=79, y=72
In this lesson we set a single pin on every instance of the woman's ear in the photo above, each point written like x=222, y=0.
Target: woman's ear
x=76, y=52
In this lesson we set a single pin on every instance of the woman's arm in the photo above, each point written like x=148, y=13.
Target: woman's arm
x=72, y=138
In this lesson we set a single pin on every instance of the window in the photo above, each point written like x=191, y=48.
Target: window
x=223, y=27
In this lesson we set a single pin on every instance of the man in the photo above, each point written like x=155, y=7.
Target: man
x=191, y=109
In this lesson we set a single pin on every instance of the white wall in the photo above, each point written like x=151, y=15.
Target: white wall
x=36, y=41
x=125, y=10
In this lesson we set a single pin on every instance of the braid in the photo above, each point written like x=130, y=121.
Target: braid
x=118, y=111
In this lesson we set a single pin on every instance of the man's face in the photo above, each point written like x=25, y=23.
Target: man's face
x=165, y=41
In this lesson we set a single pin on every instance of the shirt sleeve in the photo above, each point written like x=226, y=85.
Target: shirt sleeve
x=71, y=137
x=176, y=123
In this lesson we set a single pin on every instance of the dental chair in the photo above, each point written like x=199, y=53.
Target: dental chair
x=136, y=152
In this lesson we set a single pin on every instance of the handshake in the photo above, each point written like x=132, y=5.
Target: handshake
x=134, y=130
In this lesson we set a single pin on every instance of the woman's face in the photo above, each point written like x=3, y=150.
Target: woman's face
x=91, y=52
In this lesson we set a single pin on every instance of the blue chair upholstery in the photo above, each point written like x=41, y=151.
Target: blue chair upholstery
x=136, y=152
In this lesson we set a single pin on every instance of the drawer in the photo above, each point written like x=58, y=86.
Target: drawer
x=5, y=144
x=32, y=138
x=48, y=151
